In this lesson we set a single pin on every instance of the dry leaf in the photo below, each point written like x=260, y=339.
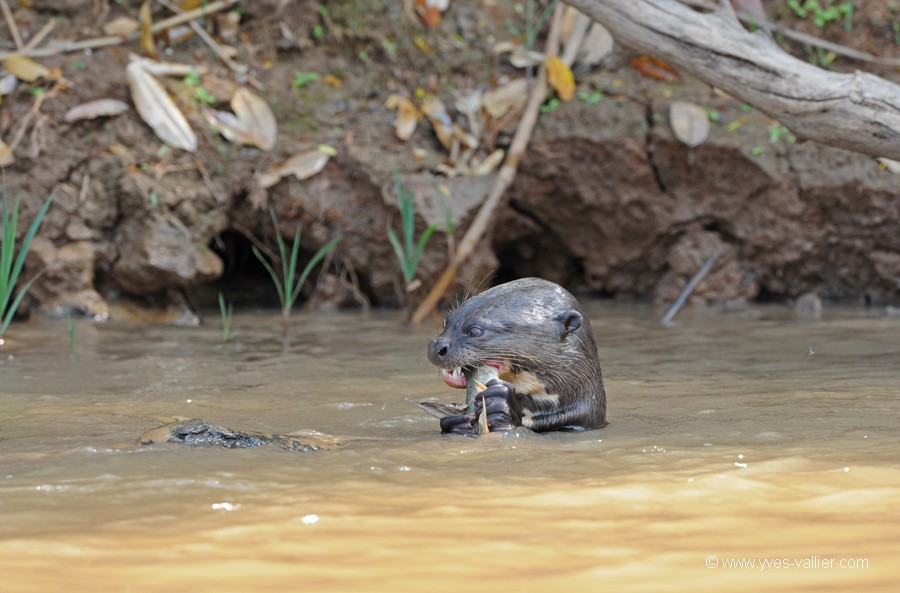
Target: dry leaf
x=25, y=69
x=146, y=19
x=560, y=78
x=512, y=95
x=886, y=163
x=6, y=155
x=227, y=124
x=407, y=116
x=8, y=84
x=121, y=27
x=436, y=112
x=656, y=69
x=689, y=122
x=519, y=57
x=158, y=68
x=158, y=110
x=596, y=46
x=256, y=117
x=94, y=109
x=489, y=164
x=302, y=165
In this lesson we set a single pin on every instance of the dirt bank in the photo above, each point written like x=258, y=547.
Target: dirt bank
x=606, y=199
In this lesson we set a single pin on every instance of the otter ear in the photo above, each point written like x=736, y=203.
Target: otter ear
x=568, y=321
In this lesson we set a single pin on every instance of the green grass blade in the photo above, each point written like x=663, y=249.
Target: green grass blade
x=291, y=270
x=7, y=317
x=320, y=254
x=29, y=236
x=398, y=249
x=272, y=273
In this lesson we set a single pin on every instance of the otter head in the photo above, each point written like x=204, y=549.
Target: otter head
x=527, y=325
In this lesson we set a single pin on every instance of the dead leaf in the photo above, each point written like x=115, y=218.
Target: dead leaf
x=158, y=68
x=6, y=155
x=407, y=116
x=121, y=27
x=158, y=110
x=146, y=20
x=25, y=69
x=255, y=116
x=512, y=95
x=8, y=84
x=656, y=69
x=519, y=57
x=889, y=164
x=489, y=164
x=94, y=109
x=560, y=78
x=227, y=124
x=301, y=165
x=436, y=112
x=689, y=122
x=596, y=46
x=332, y=81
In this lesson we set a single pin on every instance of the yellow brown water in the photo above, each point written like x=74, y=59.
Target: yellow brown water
x=734, y=437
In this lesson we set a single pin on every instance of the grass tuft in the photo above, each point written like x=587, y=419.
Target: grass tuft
x=11, y=262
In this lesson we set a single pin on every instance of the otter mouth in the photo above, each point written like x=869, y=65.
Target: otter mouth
x=456, y=377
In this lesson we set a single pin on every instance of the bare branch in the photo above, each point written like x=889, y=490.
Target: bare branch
x=857, y=111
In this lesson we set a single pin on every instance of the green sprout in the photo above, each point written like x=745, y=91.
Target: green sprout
x=71, y=325
x=289, y=284
x=11, y=263
x=301, y=79
x=227, y=313
x=409, y=252
x=591, y=98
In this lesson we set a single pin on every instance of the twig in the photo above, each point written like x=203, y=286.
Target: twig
x=11, y=23
x=67, y=47
x=804, y=38
x=239, y=69
x=32, y=113
x=505, y=177
x=40, y=35
x=691, y=285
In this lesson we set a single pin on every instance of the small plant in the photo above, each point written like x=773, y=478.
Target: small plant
x=301, y=79
x=409, y=252
x=289, y=284
x=10, y=263
x=201, y=95
x=227, y=313
x=825, y=12
x=71, y=324
x=591, y=98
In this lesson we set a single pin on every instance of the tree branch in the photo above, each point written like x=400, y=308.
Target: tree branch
x=857, y=111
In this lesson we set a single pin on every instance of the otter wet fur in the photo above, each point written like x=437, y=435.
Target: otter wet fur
x=538, y=338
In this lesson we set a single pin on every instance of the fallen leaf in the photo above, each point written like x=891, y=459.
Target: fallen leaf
x=158, y=68
x=301, y=165
x=560, y=78
x=256, y=116
x=146, y=20
x=25, y=69
x=656, y=69
x=436, y=112
x=489, y=164
x=94, y=109
x=519, y=57
x=227, y=124
x=332, y=81
x=596, y=46
x=407, y=116
x=512, y=95
x=885, y=163
x=8, y=84
x=158, y=110
x=6, y=155
x=121, y=27
x=689, y=122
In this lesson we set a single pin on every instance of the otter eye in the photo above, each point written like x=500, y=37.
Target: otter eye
x=474, y=332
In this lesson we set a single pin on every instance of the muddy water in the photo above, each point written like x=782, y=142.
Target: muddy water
x=734, y=437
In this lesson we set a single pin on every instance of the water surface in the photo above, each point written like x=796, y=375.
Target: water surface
x=744, y=436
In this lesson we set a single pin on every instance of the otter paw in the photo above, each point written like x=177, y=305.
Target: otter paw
x=501, y=405
x=458, y=425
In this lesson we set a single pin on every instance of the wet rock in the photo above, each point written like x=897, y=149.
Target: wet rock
x=199, y=433
x=809, y=307
x=155, y=255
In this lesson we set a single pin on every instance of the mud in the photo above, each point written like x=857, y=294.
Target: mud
x=606, y=199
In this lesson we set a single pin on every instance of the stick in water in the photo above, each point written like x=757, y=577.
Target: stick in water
x=683, y=297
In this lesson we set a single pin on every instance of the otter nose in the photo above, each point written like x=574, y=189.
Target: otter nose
x=440, y=347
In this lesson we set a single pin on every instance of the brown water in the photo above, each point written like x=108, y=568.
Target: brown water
x=734, y=437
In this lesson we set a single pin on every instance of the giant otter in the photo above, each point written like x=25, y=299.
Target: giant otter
x=537, y=337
